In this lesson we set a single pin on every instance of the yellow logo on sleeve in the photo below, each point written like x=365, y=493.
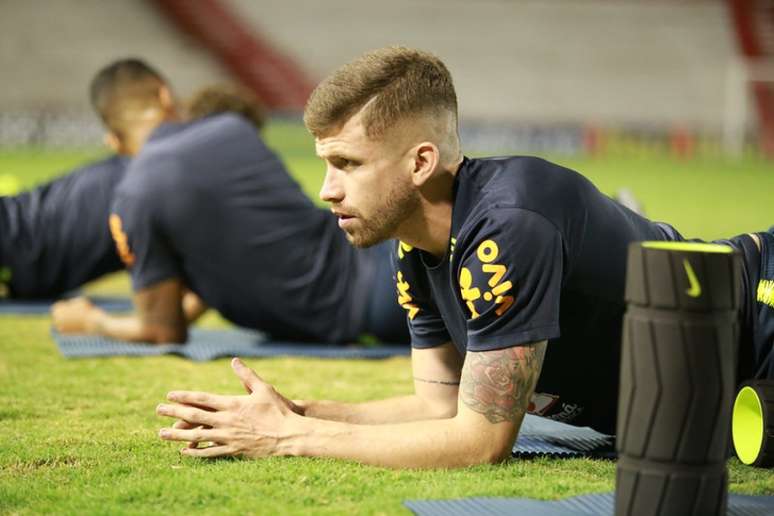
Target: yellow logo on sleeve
x=404, y=297
x=765, y=293
x=121, y=240
x=468, y=292
x=487, y=253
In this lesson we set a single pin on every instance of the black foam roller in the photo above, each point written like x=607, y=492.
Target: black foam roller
x=678, y=362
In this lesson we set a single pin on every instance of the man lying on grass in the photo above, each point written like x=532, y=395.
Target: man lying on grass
x=205, y=206
x=53, y=238
x=511, y=271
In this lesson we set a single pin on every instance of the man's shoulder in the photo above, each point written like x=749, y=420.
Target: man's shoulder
x=104, y=170
x=91, y=182
x=492, y=229
x=506, y=190
x=110, y=164
x=212, y=131
x=151, y=174
x=502, y=189
x=513, y=179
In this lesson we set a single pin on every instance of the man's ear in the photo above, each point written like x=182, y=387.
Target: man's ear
x=166, y=99
x=426, y=158
x=113, y=142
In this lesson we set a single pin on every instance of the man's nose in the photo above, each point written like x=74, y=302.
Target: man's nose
x=331, y=190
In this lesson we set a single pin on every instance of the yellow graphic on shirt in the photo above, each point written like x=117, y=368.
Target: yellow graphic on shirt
x=452, y=245
x=487, y=253
x=404, y=248
x=468, y=292
x=404, y=297
x=122, y=242
x=766, y=292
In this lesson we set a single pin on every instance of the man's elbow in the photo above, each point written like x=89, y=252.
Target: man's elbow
x=443, y=410
x=495, y=452
x=493, y=447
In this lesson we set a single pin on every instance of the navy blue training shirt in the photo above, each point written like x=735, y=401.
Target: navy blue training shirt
x=209, y=203
x=536, y=253
x=55, y=237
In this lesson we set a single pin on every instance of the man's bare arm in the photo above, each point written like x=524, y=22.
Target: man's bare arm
x=436, y=385
x=193, y=306
x=500, y=385
x=158, y=317
x=495, y=389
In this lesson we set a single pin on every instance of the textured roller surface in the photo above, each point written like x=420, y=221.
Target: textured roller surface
x=206, y=345
x=677, y=381
x=43, y=306
x=540, y=436
x=586, y=505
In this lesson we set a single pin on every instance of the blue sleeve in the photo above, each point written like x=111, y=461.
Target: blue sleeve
x=510, y=278
x=425, y=325
x=140, y=241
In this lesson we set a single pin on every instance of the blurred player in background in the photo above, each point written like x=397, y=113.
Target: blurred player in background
x=207, y=207
x=54, y=238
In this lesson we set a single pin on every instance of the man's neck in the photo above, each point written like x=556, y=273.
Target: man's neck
x=139, y=136
x=429, y=227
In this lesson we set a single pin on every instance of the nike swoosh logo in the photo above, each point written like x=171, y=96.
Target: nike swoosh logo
x=694, y=290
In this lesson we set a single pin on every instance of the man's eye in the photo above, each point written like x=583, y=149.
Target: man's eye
x=344, y=164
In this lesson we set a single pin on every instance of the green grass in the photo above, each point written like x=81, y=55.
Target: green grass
x=79, y=436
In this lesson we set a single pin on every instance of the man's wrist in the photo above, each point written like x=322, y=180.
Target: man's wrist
x=299, y=432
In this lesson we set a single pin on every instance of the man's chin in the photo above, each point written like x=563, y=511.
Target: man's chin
x=363, y=241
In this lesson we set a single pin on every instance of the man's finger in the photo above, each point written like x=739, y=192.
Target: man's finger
x=193, y=435
x=185, y=425
x=250, y=380
x=202, y=400
x=208, y=452
x=190, y=414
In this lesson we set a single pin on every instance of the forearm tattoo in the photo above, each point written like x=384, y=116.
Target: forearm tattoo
x=439, y=382
x=499, y=383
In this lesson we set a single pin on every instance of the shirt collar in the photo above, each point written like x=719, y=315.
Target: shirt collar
x=165, y=129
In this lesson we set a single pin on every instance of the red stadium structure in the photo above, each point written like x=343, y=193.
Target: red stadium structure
x=754, y=24
x=275, y=78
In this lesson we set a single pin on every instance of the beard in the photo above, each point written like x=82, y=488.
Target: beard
x=400, y=202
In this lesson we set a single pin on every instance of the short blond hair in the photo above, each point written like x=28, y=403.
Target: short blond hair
x=396, y=83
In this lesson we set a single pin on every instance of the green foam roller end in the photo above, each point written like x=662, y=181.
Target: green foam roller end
x=747, y=425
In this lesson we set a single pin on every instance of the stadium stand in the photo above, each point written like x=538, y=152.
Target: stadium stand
x=547, y=74
x=610, y=63
x=274, y=77
x=754, y=24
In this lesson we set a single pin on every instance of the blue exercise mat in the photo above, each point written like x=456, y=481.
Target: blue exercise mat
x=600, y=504
x=43, y=306
x=541, y=436
x=206, y=344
